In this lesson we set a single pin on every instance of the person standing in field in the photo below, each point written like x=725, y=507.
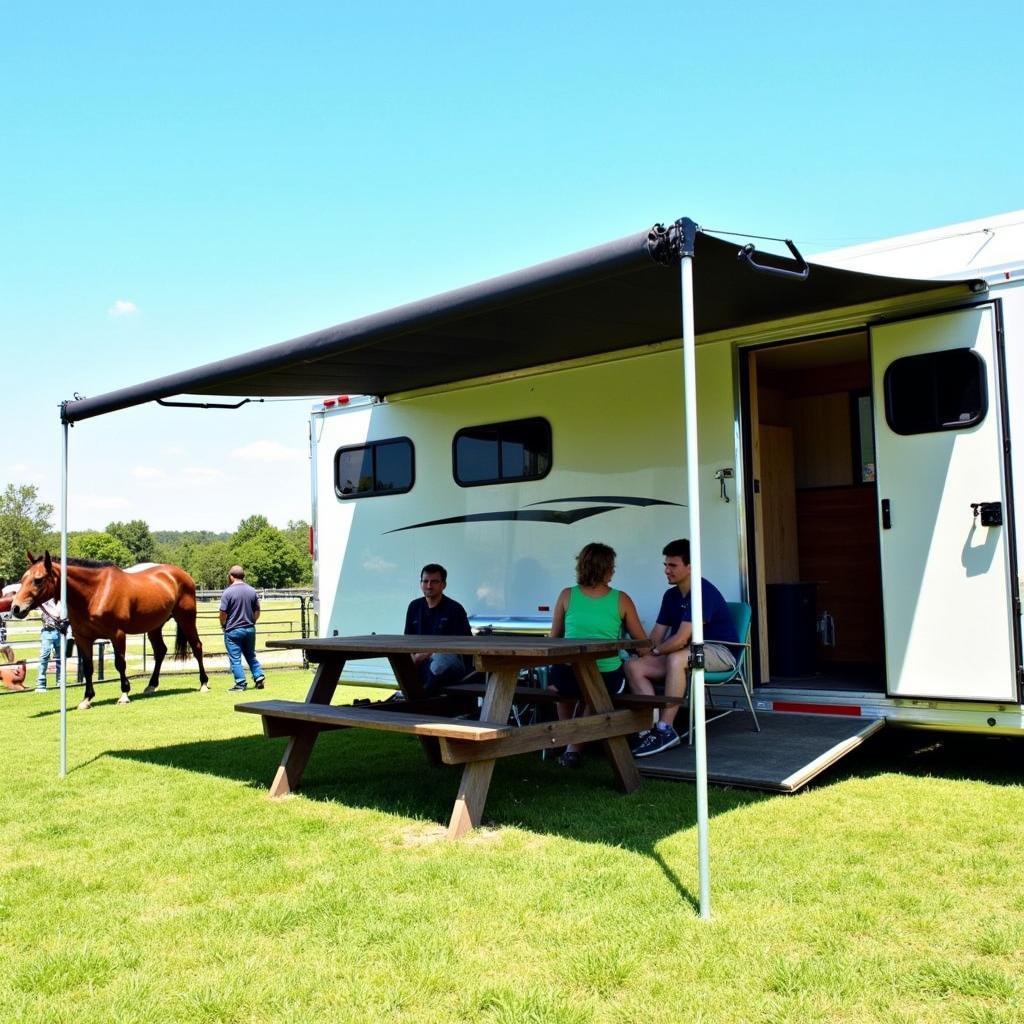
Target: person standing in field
x=49, y=638
x=239, y=613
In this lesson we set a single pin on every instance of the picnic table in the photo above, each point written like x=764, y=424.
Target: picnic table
x=448, y=733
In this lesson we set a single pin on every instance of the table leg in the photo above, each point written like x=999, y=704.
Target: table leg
x=409, y=683
x=617, y=748
x=296, y=753
x=476, y=777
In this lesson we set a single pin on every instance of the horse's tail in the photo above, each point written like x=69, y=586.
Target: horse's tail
x=181, y=651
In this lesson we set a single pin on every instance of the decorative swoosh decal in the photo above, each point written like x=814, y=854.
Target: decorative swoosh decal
x=618, y=499
x=517, y=515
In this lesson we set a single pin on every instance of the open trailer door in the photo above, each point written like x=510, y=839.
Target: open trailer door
x=947, y=585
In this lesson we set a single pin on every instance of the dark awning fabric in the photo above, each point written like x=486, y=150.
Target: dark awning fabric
x=611, y=297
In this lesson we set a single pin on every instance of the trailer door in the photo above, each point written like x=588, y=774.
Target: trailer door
x=950, y=630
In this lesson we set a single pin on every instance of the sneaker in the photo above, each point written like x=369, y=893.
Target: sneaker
x=237, y=688
x=259, y=682
x=394, y=698
x=637, y=738
x=41, y=688
x=655, y=741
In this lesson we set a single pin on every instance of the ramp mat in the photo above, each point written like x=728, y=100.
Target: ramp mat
x=789, y=751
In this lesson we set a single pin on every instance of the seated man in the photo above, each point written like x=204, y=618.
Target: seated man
x=669, y=658
x=433, y=614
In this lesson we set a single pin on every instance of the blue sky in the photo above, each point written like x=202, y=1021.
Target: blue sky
x=185, y=182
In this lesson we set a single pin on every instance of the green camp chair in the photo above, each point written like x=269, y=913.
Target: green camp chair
x=740, y=612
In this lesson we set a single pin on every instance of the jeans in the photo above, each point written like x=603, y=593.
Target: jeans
x=241, y=643
x=441, y=670
x=49, y=645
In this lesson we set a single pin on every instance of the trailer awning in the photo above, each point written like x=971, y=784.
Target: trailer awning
x=615, y=296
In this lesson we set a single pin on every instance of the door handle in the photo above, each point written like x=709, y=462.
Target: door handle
x=886, y=515
x=991, y=512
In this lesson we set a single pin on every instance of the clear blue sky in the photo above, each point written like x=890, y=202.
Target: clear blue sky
x=185, y=182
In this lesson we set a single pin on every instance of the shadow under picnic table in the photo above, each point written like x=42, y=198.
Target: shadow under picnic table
x=387, y=772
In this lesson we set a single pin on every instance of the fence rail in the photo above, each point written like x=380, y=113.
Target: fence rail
x=284, y=613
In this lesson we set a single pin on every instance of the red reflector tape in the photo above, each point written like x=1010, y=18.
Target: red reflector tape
x=852, y=710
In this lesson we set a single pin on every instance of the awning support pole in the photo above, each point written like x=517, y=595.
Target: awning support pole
x=687, y=243
x=63, y=659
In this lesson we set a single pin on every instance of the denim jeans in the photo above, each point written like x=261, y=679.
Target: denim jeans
x=441, y=670
x=241, y=643
x=49, y=645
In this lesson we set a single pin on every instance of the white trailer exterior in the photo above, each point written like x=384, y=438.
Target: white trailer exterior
x=829, y=456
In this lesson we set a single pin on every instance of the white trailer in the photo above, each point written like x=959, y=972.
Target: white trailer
x=858, y=487
x=856, y=473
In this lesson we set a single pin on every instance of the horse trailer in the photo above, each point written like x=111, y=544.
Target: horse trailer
x=858, y=484
x=856, y=477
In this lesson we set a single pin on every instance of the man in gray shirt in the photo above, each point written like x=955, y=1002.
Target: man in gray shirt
x=239, y=613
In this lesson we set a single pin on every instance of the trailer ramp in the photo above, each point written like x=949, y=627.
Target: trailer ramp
x=789, y=751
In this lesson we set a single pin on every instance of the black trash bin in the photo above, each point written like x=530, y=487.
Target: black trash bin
x=792, y=636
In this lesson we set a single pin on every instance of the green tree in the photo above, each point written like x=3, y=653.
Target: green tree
x=269, y=560
x=24, y=524
x=248, y=528
x=99, y=546
x=297, y=534
x=209, y=563
x=135, y=536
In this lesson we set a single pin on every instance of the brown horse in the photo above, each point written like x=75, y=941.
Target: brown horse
x=104, y=602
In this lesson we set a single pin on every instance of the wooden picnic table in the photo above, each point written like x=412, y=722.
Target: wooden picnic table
x=476, y=744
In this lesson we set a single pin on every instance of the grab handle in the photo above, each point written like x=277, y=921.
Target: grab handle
x=748, y=251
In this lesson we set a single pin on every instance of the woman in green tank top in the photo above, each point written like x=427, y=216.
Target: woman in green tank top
x=591, y=609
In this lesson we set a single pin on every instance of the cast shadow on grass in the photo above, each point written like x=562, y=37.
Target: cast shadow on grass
x=389, y=773
x=136, y=694
x=974, y=757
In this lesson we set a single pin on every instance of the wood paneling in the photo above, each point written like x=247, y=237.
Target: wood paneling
x=822, y=451
x=778, y=497
x=839, y=551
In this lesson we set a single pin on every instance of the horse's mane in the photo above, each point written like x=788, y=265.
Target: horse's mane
x=82, y=563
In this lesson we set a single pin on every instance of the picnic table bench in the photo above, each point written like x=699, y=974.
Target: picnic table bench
x=443, y=723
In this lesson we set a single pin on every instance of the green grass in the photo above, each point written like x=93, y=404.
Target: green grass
x=157, y=882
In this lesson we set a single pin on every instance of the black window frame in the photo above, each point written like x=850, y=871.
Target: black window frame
x=940, y=427
x=373, y=445
x=501, y=478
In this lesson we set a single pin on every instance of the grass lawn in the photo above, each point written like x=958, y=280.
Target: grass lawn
x=158, y=883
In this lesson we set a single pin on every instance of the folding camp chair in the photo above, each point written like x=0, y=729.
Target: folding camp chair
x=740, y=612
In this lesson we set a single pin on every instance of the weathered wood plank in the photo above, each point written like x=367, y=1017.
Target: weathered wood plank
x=476, y=777
x=547, y=736
x=596, y=693
x=371, y=718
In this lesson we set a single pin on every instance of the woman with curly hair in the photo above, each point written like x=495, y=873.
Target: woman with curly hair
x=595, y=610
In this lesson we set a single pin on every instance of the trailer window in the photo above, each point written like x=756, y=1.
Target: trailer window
x=502, y=452
x=382, y=467
x=936, y=391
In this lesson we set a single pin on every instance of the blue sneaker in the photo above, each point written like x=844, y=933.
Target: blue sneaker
x=654, y=741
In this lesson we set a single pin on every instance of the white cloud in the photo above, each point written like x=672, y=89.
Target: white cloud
x=100, y=502
x=147, y=473
x=122, y=307
x=23, y=471
x=201, y=473
x=268, y=451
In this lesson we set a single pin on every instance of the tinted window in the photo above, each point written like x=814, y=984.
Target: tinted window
x=936, y=391
x=383, y=467
x=502, y=452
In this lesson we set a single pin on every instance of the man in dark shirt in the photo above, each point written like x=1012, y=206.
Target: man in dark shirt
x=433, y=614
x=669, y=659
x=239, y=613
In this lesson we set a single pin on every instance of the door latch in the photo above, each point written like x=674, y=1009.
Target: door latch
x=990, y=512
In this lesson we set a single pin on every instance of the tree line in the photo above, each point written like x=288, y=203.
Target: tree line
x=272, y=557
